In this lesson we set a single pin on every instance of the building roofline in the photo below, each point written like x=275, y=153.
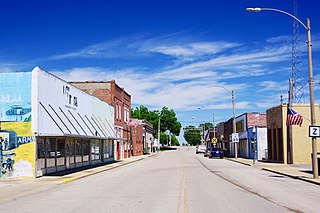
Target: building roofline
x=76, y=136
x=102, y=82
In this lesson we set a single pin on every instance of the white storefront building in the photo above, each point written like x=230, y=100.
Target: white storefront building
x=51, y=125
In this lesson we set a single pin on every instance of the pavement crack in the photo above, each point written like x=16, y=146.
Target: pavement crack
x=246, y=188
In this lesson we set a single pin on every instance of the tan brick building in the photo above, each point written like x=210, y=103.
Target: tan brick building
x=278, y=140
x=115, y=95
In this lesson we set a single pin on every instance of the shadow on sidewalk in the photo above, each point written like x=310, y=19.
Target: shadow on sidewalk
x=74, y=170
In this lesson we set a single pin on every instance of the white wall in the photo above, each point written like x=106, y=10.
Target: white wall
x=60, y=108
x=262, y=142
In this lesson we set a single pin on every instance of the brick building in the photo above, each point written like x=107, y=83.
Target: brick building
x=252, y=131
x=137, y=138
x=280, y=149
x=142, y=136
x=227, y=131
x=251, y=127
x=115, y=95
x=219, y=134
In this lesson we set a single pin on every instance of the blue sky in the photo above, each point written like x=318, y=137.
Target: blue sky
x=165, y=53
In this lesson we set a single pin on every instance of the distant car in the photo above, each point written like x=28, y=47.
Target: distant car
x=216, y=152
x=206, y=153
x=200, y=149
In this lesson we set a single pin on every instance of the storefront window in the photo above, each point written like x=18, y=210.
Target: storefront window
x=60, y=152
x=95, y=149
x=107, y=149
x=70, y=153
x=51, y=152
x=41, y=154
x=111, y=143
x=78, y=151
x=86, y=150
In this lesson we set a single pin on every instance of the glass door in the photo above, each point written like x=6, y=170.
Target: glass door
x=70, y=154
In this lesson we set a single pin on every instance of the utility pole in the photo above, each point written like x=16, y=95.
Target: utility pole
x=234, y=125
x=289, y=128
x=214, y=128
x=203, y=133
x=159, y=134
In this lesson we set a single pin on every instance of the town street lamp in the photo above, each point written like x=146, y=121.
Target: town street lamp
x=203, y=142
x=312, y=110
x=159, y=131
x=234, y=116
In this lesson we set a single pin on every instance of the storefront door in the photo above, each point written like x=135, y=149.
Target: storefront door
x=70, y=154
x=118, y=150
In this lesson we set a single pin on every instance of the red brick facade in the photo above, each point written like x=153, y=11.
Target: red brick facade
x=113, y=94
x=137, y=139
x=256, y=119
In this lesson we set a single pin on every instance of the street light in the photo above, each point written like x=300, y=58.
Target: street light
x=203, y=128
x=159, y=132
x=312, y=110
x=234, y=116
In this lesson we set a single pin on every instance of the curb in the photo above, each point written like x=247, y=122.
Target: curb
x=278, y=172
x=291, y=176
x=67, y=180
x=113, y=166
x=230, y=159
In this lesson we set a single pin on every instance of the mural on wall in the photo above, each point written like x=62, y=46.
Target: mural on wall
x=17, y=149
x=15, y=96
x=17, y=152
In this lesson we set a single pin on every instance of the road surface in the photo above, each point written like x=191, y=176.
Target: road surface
x=175, y=181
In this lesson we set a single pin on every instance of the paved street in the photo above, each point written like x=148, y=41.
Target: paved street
x=172, y=181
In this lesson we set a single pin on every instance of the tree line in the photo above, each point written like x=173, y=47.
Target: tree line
x=193, y=134
x=168, y=121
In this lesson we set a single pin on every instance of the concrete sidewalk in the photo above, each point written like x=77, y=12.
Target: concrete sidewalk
x=98, y=169
x=20, y=187
x=301, y=172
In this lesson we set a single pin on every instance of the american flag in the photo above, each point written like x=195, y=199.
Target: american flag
x=293, y=118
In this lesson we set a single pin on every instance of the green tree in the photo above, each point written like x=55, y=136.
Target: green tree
x=207, y=126
x=168, y=119
x=174, y=141
x=192, y=135
x=164, y=139
x=140, y=112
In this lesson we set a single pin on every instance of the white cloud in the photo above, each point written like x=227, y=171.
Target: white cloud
x=194, y=49
x=233, y=66
x=11, y=67
x=185, y=85
x=273, y=86
x=147, y=90
x=280, y=39
x=121, y=47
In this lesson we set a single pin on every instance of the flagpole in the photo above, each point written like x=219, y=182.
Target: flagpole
x=289, y=128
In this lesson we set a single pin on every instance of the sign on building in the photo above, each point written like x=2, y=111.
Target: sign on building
x=314, y=131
